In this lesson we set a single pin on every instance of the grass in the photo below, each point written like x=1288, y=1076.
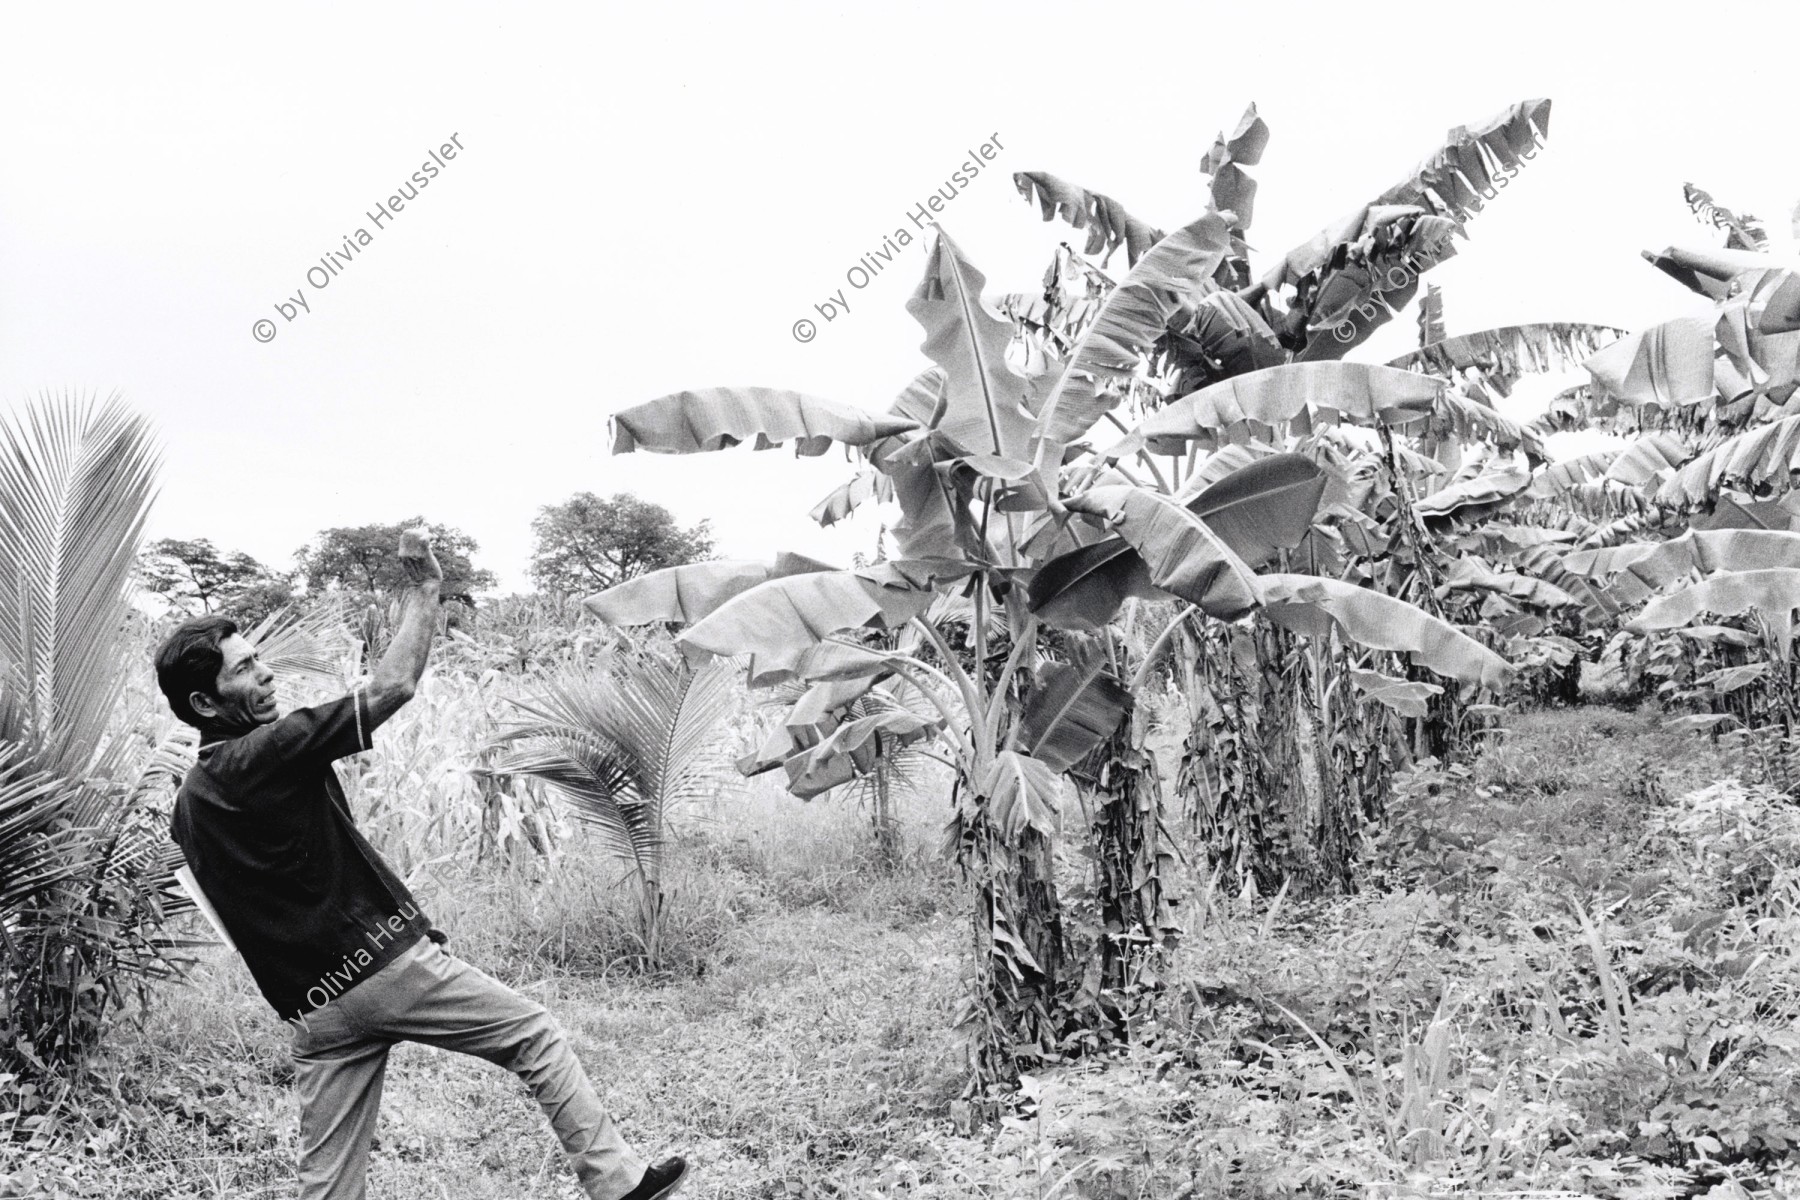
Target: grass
x=1574, y=968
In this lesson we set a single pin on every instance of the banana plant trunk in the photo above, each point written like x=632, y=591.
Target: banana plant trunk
x=1019, y=949
x=1135, y=926
x=1282, y=764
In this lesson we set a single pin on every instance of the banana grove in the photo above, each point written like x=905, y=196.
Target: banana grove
x=1169, y=479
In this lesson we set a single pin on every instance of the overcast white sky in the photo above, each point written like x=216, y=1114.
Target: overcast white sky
x=650, y=196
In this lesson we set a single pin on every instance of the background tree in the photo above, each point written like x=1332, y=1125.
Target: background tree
x=194, y=577
x=361, y=559
x=586, y=543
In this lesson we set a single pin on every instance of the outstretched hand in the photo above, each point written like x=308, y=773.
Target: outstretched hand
x=416, y=556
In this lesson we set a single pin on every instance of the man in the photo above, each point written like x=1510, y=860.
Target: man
x=334, y=940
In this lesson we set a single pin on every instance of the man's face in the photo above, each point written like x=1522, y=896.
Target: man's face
x=244, y=694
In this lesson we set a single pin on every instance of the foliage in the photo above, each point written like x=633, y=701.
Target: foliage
x=360, y=560
x=1010, y=523
x=624, y=747
x=81, y=886
x=586, y=543
x=802, y=1044
x=195, y=578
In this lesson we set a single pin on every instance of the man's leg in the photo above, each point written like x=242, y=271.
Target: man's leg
x=338, y=1074
x=431, y=997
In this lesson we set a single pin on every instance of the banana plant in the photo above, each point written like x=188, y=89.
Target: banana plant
x=1032, y=538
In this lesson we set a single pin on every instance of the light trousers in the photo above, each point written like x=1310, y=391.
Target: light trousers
x=429, y=996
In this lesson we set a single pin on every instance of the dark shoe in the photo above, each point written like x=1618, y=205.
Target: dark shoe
x=660, y=1180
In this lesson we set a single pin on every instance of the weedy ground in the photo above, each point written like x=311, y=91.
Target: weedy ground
x=1573, y=966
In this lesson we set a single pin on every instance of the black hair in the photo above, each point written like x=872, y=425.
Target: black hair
x=189, y=661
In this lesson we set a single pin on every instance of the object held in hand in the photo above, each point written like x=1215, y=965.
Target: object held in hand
x=416, y=555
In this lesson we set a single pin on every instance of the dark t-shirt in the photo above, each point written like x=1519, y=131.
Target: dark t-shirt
x=266, y=830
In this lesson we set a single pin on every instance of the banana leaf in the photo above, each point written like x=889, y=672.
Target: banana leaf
x=1743, y=232
x=1072, y=709
x=1774, y=592
x=1602, y=562
x=1651, y=458
x=1133, y=316
x=1470, y=498
x=1474, y=575
x=1502, y=356
x=984, y=398
x=1782, y=514
x=835, y=760
x=1406, y=697
x=1022, y=793
x=1283, y=398
x=1698, y=553
x=1259, y=510
x=1107, y=223
x=714, y=418
x=1311, y=605
x=1232, y=190
x=1763, y=456
x=777, y=622
x=1368, y=263
x=689, y=592
x=1554, y=479
x=1183, y=555
x=1666, y=365
x=847, y=497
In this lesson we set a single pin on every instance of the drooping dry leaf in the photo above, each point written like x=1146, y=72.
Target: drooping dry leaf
x=1107, y=223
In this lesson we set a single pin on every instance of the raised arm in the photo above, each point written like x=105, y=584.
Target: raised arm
x=397, y=674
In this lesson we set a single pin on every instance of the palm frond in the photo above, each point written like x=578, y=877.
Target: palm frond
x=76, y=482
x=623, y=746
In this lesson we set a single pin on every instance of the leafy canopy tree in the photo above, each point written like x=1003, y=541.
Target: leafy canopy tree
x=193, y=576
x=363, y=559
x=586, y=543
